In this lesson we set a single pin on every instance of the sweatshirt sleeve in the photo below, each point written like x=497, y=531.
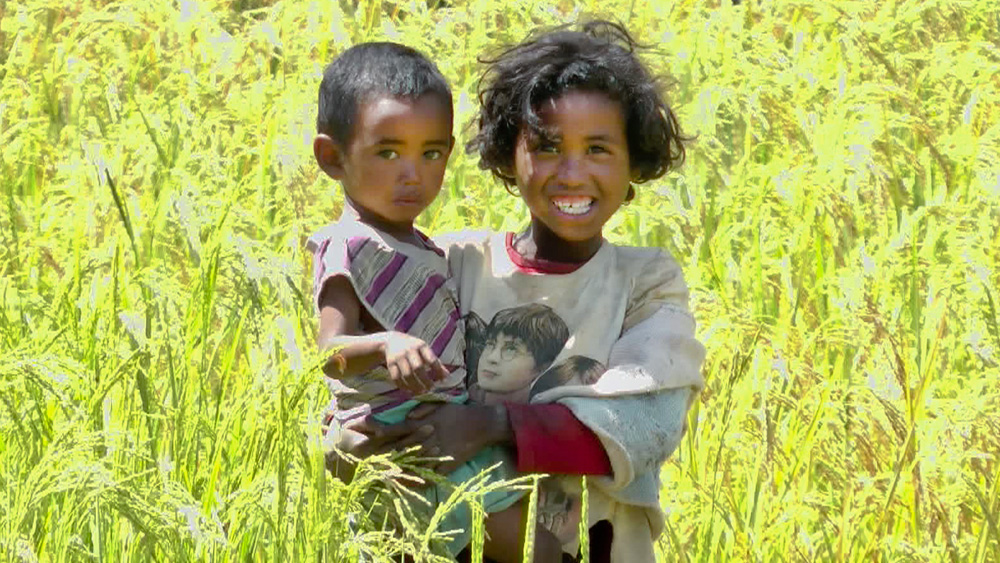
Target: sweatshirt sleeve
x=637, y=432
x=659, y=354
x=658, y=284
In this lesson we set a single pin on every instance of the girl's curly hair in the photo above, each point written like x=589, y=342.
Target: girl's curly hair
x=600, y=57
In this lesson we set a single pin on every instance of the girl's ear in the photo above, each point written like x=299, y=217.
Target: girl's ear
x=329, y=155
x=451, y=148
x=506, y=172
x=630, y=195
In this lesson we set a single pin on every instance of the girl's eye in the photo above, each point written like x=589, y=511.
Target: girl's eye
x=596, y=149
x=546, y=145
x=433, y=154
x=388, y=154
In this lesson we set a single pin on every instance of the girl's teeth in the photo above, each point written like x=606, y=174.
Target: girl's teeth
x=574, y=208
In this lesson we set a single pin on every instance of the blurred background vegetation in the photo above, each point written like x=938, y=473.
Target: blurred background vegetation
x=838, y=220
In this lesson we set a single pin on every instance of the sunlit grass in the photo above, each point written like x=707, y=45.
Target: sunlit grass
x=838, y=220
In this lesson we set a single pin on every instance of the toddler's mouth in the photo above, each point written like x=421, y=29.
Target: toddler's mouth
x=407, y=201
x=573, y=204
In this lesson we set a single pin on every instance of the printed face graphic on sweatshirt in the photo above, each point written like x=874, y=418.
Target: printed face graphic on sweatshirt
x=511, y=358
x=506, y=365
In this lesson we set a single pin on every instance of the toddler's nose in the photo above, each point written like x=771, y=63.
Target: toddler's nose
x=408, y=173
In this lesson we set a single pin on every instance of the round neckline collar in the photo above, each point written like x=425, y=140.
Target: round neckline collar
x=541, y=265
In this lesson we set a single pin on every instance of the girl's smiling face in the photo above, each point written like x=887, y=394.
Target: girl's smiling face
x=575, y=178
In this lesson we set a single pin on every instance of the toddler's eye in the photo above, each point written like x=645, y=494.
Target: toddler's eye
x=433, y=154
x=596, y=149
x=388, y=154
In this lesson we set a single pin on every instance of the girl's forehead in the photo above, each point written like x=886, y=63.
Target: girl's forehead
x=585, y=112
x=576, y=98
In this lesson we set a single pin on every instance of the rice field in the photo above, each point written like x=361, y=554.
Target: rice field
x=838, y=220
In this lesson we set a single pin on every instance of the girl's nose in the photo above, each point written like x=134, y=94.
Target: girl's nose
x=570, y=171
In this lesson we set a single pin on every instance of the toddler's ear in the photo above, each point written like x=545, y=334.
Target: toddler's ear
x=451, y=148
x=329, y=155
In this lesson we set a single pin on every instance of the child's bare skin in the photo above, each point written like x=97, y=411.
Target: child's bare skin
x=506, y=528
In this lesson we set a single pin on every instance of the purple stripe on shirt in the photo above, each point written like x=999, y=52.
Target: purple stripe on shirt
x=383, y=278
x=420, y=302
x=429, y=244
x=444, y=337
x=320, y=264
x=354, y=246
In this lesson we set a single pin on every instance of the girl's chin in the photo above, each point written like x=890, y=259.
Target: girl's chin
x=571, y=235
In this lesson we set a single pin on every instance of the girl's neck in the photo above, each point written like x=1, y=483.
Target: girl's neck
x=538, y=242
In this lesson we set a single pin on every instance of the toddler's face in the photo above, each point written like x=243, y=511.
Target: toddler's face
x=506, y=365
x=574, y=180
x=394, y=165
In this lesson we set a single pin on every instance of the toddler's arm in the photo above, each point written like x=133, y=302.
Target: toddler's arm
x=411, y=363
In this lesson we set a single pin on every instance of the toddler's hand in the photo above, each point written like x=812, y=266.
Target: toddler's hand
x=412, y=364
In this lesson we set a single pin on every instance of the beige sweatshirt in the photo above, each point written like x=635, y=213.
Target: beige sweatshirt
x=612, y=340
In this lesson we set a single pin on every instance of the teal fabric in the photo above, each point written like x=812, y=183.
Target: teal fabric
x=460, y=518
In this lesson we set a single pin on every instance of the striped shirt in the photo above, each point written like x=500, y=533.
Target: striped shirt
x=405, y=288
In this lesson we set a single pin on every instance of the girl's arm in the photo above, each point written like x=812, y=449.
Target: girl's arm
x=410, y=362
x=640, y=431
x=546, y=438
x=549, y=439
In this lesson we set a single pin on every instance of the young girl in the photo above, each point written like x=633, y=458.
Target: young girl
x=572, y=120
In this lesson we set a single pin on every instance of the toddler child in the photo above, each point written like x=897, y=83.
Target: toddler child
x=383, y=290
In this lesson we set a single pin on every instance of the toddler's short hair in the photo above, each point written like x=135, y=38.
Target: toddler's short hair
x=369, y=70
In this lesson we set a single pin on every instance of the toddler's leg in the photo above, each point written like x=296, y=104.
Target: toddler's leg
x=505, y=537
